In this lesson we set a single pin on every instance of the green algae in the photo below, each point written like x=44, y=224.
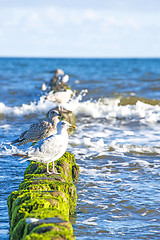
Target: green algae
x=47, y=231
x=36, y=203
x=65, y=166
x=52, y=185
x=42, y=197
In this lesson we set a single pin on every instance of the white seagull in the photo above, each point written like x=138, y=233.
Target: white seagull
x=39, y=130
x=60, y=97
x=64, y=79
x=52, y=148
x=44, y=87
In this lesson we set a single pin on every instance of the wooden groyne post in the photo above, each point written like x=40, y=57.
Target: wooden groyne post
x=40, y=209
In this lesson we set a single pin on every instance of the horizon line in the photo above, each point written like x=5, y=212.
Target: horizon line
x=84, y=57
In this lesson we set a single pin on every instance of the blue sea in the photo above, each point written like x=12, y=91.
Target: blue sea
x=116, y=143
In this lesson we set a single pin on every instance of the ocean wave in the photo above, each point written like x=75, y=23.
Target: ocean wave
x=42, y=106
x=129, y=108
x=135, y=149
x=112, y=109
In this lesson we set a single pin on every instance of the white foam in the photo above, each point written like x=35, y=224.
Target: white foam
x=95, y=138
x=87, y=201
x=7, y=149
x=141, y=163
x=141, y=149
x=42, y=106
x=108, y=108
x=90, y=221
x=5, y=126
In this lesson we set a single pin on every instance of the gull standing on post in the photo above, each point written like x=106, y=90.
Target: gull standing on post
x=60, y=97
x=64, y=79
x=52, y=148
x=39, y=130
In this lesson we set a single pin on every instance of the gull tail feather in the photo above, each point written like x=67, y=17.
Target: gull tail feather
x=19, y=142
x=22, y=155
x=15, y=141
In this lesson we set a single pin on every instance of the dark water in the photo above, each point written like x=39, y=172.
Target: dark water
x=116, y=143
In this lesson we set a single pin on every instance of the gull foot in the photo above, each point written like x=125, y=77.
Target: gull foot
x=50, y=173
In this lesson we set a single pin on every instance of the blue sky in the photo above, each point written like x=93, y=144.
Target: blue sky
x=86, y=28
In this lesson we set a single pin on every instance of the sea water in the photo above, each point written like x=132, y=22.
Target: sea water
x=116, y=143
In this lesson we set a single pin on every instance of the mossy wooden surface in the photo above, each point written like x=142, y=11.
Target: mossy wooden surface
x=49, y=200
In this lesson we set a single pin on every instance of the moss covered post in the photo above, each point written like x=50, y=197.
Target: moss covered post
x=41, y=207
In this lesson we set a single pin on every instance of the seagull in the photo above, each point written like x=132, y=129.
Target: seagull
x=64, y=79
x=44, y=87
x=60, y=97
x=52, y=148
x=58, y=72
x=39, y=130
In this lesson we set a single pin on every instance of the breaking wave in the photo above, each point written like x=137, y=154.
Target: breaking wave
x=128, y=108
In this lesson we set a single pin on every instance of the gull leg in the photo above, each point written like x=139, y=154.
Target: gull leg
x=53, y=172
x=53, y=169
x=48, y=168
x=60, y=108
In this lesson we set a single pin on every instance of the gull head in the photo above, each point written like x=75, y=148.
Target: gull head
x=53, y=113
x=64, y=125
x=58, y=72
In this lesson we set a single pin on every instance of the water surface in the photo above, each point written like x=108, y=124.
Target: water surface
x=116, y=143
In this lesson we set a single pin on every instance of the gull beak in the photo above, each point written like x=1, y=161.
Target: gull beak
x=73, y=126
